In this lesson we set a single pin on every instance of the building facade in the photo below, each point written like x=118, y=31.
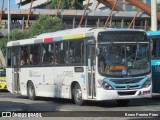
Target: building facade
x=93, y=3
x=25, y=4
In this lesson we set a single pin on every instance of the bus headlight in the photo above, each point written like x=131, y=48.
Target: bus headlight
x=105, y=85
x=147, y=83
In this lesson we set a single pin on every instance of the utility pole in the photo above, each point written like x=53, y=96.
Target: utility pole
x=9, y=19
x=153, y=15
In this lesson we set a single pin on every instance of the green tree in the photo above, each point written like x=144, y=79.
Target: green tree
x=18, y=35
x=158, y=7
x=3, y=43
x=66, y=4
x=43, y=25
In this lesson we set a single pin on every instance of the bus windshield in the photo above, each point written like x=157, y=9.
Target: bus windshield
x=2, y=73
x=124, y=59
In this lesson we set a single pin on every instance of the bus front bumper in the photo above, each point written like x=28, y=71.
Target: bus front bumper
x=103, y=94
x=2, y=85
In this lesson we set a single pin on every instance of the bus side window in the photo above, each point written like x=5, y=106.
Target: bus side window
x=76, y=53
x=66, y=54
x=34, y=56
x=24, y=55
x=156, y=48
x=47, y=53
x=57, y=52
x=15, y=57
x=61, y=49
x=43, y=53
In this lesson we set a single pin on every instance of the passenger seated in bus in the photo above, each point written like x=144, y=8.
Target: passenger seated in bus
x=66, y=57
x=31, y=59
x=22, y=61
x=54, y=59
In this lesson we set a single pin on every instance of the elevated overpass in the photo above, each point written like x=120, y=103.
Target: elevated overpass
x=72, y=17
x=19, y=14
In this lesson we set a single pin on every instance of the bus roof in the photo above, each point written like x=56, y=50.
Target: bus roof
x=64, y=35
x=153, y=34
x=123, y=29
x=56, y=36
x=65, y=32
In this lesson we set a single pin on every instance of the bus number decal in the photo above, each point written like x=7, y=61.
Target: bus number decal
x=33, y=74
x=68, y=74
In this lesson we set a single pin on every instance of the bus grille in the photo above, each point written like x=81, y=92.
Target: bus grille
x=126, y=81
x=127, y=93
x=124, y=87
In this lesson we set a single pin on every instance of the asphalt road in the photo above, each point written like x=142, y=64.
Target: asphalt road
x=66, y=109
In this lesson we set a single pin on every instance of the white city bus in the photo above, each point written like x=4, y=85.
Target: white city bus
x=81, y=64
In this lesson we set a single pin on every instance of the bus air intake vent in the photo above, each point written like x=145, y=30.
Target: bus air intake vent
x=127, y=93
x=131, y=86
x=126, y=81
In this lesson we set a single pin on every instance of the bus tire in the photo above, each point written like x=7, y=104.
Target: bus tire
x=123, y=102
x=31, y=91
x=78, y=95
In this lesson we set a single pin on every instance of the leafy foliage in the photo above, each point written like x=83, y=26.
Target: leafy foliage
x=3, y=43
x=18, y=35
x=66, y=4
x=43, y=25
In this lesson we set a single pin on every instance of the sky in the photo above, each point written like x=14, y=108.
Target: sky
x=12, y=4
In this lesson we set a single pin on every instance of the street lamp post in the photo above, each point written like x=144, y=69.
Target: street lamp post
x=9, y=19
x=154, y=15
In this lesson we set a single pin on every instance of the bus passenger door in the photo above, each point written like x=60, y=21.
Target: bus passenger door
x=91, y=60
x=15, y=70
x=155, y=62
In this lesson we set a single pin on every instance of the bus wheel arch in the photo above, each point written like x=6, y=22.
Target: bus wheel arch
x=72, y=88
x=31, y=90
x=77, y=93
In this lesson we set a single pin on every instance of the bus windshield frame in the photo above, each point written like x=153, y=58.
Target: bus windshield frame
x=120, y=59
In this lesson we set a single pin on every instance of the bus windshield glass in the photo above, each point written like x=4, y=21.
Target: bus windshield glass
x=119, y=59
x=2, y=73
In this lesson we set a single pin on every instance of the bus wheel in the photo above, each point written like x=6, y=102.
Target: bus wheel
x=123, y=102
x=31, y=91
x=78, y=95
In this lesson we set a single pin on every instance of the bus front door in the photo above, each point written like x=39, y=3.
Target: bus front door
x=15, y=70
x=91, y=60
